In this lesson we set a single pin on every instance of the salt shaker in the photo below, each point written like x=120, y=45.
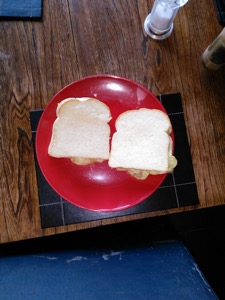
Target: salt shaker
x=159, y=23
x=214, y=55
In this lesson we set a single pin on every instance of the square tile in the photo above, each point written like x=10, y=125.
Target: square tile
x=172, y=103
x=52, y=215
x=187, y=194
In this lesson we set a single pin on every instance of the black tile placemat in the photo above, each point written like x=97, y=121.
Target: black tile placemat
x=21, y=8
x=178, y=189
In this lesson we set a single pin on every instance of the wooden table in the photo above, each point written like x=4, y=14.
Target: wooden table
x=75, y=39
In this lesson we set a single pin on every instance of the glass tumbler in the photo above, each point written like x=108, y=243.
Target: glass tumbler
x=159, y=23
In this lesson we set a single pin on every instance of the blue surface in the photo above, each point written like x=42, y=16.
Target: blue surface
x=21, y=8
x=158, y=271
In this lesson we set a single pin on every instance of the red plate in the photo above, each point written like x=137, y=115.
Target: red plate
x=96, y=187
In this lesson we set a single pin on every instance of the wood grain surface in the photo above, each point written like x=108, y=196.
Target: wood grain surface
x=78, y=38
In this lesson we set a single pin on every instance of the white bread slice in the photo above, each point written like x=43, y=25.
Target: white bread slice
x=81, y=130
x=142, y=143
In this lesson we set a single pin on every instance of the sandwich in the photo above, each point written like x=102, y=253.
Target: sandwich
x=81, y=131
x=142, y=144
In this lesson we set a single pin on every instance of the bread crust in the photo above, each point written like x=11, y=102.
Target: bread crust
x=81, y=123
x=140, y=129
